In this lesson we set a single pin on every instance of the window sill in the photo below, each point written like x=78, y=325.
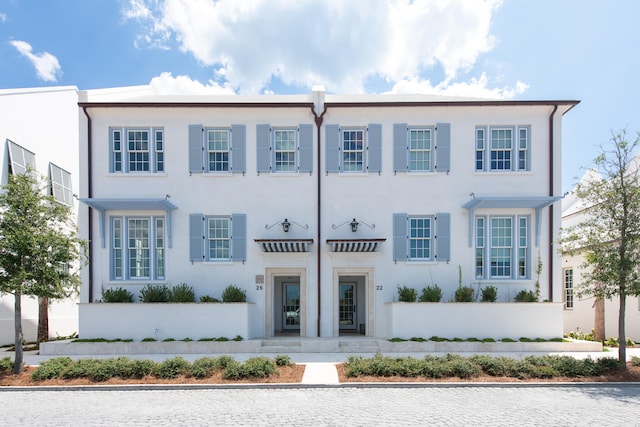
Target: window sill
x=142, y=282
x=503, y=173
x=136, y=174
x=217, y=174
x=216, y=263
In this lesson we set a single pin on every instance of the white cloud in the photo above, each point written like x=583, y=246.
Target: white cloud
x=474, y=88
x=334, y=42
x=166, y=84
x=46, y=65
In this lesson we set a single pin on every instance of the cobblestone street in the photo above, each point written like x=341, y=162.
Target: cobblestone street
x=530, y=405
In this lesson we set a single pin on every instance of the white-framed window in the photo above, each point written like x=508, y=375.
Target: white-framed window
x=137, y=248
x=353, y=154
x=567, y=282
x=60, y=182
x=421, y=238
x=20, y=159
x=137, y=150
x=503, y=240
x=218, y=238
x=502, y=148
x=285, y=146
x=218, y=149
x=420, y=149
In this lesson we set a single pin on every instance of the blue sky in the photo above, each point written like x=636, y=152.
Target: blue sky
x=514, y=49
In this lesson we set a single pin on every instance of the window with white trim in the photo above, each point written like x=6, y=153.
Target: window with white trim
x=60, y=182
x=218, y=149
x=353, y=145
x=504, y=242
x=567, y=282
x=20, y=159
x=502, y=148
x=218, y=238
x=420, y=149
x=137, y=248
x=420, y=238
x=135, y=150
x=284, y=150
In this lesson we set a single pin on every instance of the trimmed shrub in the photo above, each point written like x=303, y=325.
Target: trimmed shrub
x=182, y=293
x=407, y=294
x=526, y=296
x=203, y=367
x=431, y=294
x=154, y=293
x=6, y=364
x=283, y=360
x=208, y=298
x=232, y=293
x=116, y=295
x=464, y=294
x=172, y=368
x=52, y=368
x=635, y=361
x=489, y=294
x=255, y=367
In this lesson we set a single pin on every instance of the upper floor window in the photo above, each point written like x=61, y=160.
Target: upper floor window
x=284, y=149
x=421, y=237
x=217, y=237
x=567, y=280
x=20, y=159
x=353, y=149
x=137, y=248
x=421, y=148
x=504, y=242
x=60, y=181
x=217, y=149
x=502, y=148
x=136, y=150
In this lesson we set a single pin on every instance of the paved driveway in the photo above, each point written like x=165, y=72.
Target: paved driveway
x=468, y=405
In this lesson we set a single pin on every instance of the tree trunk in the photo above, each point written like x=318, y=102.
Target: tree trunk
x=599, y=325
x=43, y=319
x=17, y=362
x=622, y=335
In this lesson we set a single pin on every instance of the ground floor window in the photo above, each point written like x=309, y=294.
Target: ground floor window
x=137, y=248
x=567, y=281
x=503, y=241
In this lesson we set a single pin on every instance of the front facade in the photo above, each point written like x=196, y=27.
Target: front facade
x=319, y=205
x=39, y=130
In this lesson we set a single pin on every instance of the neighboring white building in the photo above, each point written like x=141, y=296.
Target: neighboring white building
x=320, y=205
x=39, y=128
x=579, y=313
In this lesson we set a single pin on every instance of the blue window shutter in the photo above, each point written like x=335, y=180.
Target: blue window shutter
x=400, y=237
x=332, y=148
x=196, y=237
x=196, y=158
x=306, y=148
x=239, y=236
x=400, y=147
x=263, y=144
x=443, y=147
x=238, y=147
x=375, y=148
x=443, y=237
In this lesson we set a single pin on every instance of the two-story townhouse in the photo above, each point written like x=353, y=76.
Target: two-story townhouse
x=39, y=129
x=320, y=205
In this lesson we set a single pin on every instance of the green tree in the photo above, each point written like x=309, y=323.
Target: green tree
x=609, y=235
x=38, y=240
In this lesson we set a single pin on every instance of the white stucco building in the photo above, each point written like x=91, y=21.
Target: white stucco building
x=319, y=205
x=580, y=311
x=39, y=128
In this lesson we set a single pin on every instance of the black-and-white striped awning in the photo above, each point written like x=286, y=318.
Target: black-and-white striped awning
x=284, y=245
x=355, y=245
